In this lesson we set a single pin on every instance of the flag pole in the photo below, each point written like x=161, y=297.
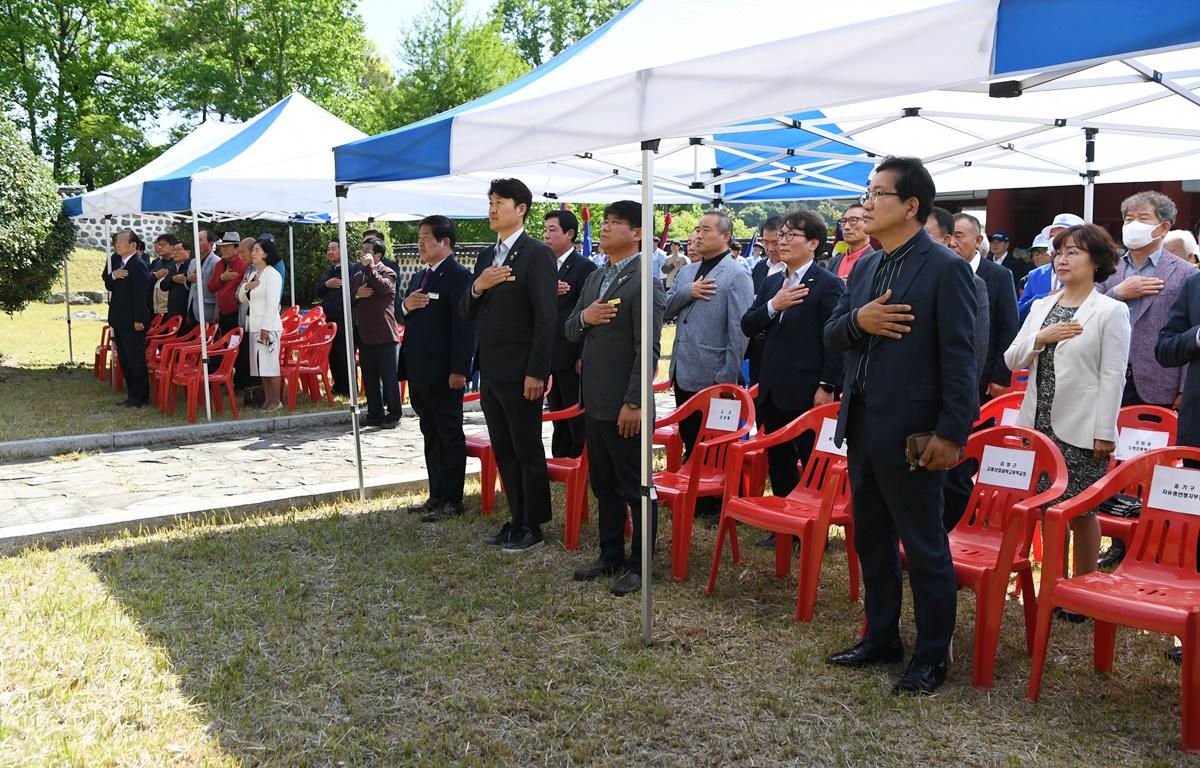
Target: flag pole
x=647, y=373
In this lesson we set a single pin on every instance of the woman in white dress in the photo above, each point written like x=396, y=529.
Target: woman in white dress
x=263, y=295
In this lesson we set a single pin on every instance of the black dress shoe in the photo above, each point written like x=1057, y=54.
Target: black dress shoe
x=598, y=569
x=766, y=542
x=1112, y=557
x=865, y=654
x=372, y=421
x=444, y=512
x=527, y=540
x=429, y=505
x=921, y=679
x=389, y=423
x=1064, y=615
x=502, y=538
x=627, y=583
x=123, y=403
x=1175, y=654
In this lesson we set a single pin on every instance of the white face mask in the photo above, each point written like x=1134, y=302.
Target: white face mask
x=1136, y=234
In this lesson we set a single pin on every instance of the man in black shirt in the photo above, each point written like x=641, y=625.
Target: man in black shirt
x=329, y=292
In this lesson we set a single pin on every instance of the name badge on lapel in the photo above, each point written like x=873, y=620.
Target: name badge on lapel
x=433, y=296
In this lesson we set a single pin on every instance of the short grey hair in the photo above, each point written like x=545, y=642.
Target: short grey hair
x=724, y=223
x=1164, y=207
x=974, y=222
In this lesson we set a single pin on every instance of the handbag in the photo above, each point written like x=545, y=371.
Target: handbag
x=253, y=395
x=1122, y=505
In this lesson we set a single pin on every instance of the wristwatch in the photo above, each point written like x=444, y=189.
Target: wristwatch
x=634, y=407
x=827, y=387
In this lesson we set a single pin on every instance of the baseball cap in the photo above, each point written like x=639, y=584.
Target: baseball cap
x=1000, y=236
x=1066, y=220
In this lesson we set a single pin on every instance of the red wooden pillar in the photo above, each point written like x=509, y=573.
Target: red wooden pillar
x=1000, y=211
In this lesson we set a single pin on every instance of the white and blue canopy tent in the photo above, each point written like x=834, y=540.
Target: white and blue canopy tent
x=634, y=82
x=278, y=165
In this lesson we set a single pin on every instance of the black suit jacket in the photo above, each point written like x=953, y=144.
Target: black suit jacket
x=331, y=298
x=1018, y=268
x=1177, y=345
x=177, y=293
x=759, y=273
x=794, y=360
x=925, y=381
x=612, y=372
x=130, y=300
x=514, y=321
x=438, y=340
x=1002, y=322
x=574, y=272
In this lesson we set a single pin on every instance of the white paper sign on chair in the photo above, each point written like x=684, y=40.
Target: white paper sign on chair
x=1175, y=489
x=1006, y=467
x=1132, y=442
x=723, y=415
x=1009, y=417
x=825, y=440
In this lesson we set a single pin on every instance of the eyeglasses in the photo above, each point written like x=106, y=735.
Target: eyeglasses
x=789, y=235
x=850, y=220
x=871, y=197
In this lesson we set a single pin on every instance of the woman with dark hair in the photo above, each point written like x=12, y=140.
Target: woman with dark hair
x=1075, y=343
x=263, y=295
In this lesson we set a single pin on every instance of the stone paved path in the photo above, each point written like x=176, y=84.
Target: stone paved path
x=139, y=483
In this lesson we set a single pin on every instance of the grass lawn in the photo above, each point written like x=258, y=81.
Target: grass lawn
x=357, y=636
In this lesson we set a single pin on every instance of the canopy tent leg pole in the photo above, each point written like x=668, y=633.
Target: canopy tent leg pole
x=200, y=315
x=292, y=262
x=647, y=373
x=342, y=190
x=1090, y=173
x=67, y=288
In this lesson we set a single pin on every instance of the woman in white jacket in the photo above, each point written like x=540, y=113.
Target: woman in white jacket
x=263, y=295
x=1075, y=344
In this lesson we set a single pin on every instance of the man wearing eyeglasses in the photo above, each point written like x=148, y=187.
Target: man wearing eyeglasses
x=905, y=326
x=857, y=241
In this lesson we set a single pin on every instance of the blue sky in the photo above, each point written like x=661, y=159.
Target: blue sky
x=386, y=19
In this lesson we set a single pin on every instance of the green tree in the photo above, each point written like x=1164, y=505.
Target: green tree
x=35, y=237
x=62, y=61
x=449, y=60
x=542, y=29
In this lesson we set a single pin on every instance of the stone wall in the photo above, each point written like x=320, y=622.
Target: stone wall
x=147, y=225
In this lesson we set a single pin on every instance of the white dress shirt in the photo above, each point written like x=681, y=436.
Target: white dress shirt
x=789, y=281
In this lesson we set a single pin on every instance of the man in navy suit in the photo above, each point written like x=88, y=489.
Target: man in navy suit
x=128, y=280
x=795, y=371
x=1002, y=304
x=560, y=231
x=512, y=301
x=768, y=266
x=905, y=325
x=438, y=342
x=1179, y=344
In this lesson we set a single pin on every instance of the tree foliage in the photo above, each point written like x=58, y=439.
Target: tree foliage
x=34, y=236
x=542, y=29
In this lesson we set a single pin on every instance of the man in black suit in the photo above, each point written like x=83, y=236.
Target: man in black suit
x=607, y=321
x=128, y=281
x=512, y=301
x=796, y=373
x=905, y=325
x=767, y=266
x=1002, y=304
x=1179, y=344
x=329, y=293
x=560, y=231
x=438, y=342
x=175, y=282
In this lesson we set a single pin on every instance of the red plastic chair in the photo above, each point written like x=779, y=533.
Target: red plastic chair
x=1150, y=418
x=100, y=361
x=704, y=473
x=573, y=472
x=819, y=501
x=1155, y=588
x=307, y=365
x=480, y=447
x=189, y=374
x=162, y=366
x=1003, y=410
x=993, y=538
x=1019, y=381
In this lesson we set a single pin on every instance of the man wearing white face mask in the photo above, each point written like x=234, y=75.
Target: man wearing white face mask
x=1148, y=278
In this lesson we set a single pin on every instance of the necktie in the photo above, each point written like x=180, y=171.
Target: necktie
x=501, y=253
x=789, y=282
x=424, y=279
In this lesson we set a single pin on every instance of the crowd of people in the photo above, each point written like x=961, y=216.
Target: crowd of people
x=914, y=321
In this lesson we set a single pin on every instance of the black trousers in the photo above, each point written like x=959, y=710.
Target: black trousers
x=568, y=434
x=782, y=458
x=131, y=351
x=380, y=380
x=440, y=410
x=515, y=428
x=689, y=428
x=613, y=466
x=337, y=359
x=892, y=503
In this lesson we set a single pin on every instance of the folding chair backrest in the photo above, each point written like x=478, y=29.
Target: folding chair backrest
x=1142, y=428
x=1169, y=527
x=820, y=420
x=1002, y=411
x=714, y=401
